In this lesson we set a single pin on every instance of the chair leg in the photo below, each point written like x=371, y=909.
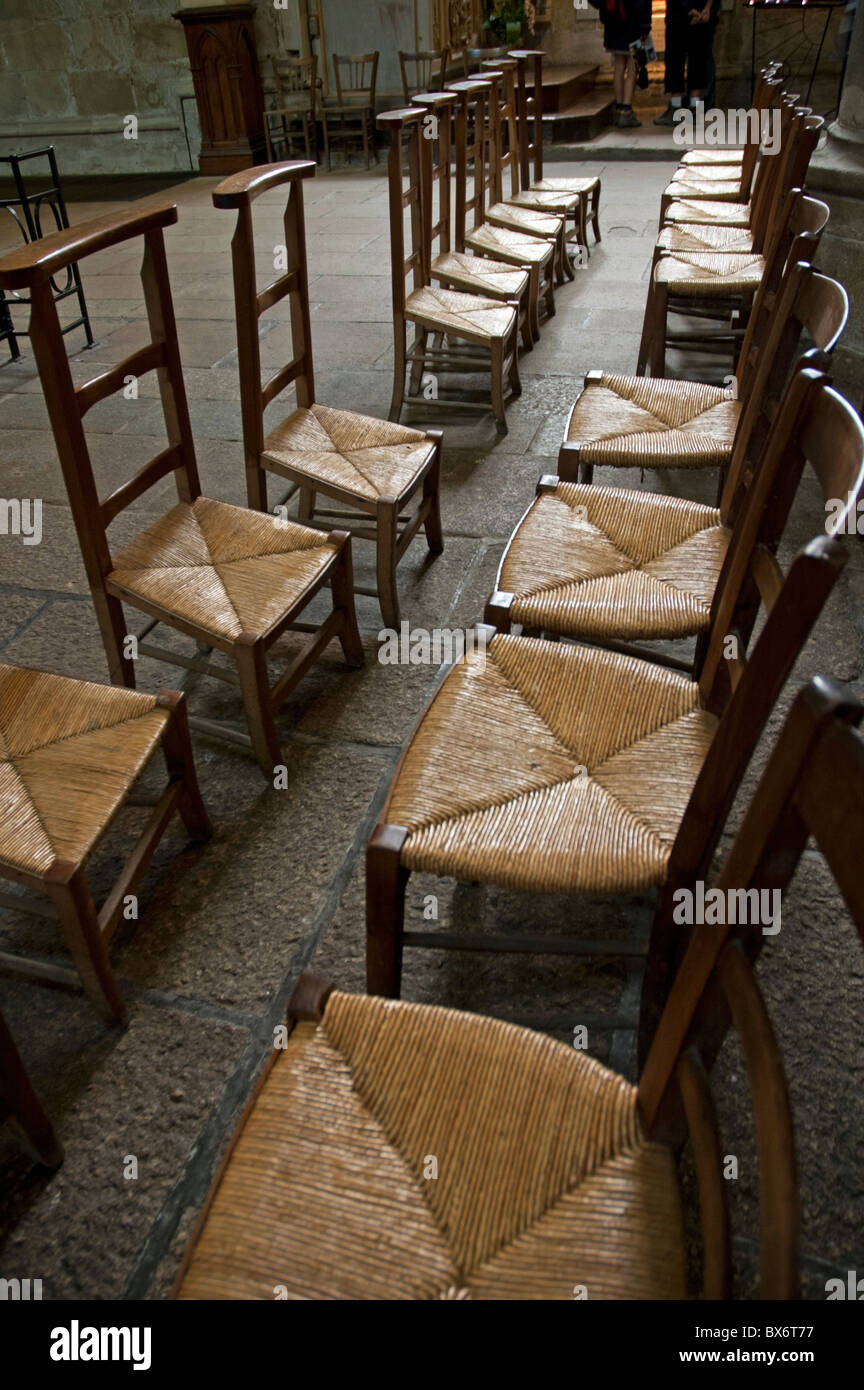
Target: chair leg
x=586, y=472
x=179, y=760
x=17, y=1092
x=76, y=913
x=432, y=494
x=595, y=212
x=326, y=134
x=497, y=369
x=385, y=561
x=525, y=319
x=417, y=365
x=112, y=625
x=386, y=881
x=342, y=588
x=549, y=291
x=305, y=505
x=255, y=687
x=657, y=355
x=534, y=301
x=513, y=374
x=399, y=365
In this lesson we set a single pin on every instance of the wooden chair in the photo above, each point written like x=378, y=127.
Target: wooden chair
x=600, y=772
x=448, y=267
x=429, y=75
x=71, y=754
x=561, y=1177
x=371, y=466
x=231, y=579
x=560, y=202
x=529, y=124
x=296, y=88
x=708, y=158
x=535, y=254
x=639, y=422
x=470, y=334
x=682, y=281
x=501, y=212
x=19, y=1100
x=356, y=78
x=615, y=565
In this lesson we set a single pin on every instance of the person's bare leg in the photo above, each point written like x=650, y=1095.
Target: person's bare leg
x=624, y=80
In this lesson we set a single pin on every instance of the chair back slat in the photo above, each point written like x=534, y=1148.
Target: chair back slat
x=504, y=136
x=799, y=794
x=435, y=167
x=32, y=267
x=529, y=112
x=429, y=71
x=806, y=302
x=405, y=178
x=356, y=77
x=238, y=193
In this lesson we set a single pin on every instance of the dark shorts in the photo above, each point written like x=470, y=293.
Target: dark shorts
x=688, y=56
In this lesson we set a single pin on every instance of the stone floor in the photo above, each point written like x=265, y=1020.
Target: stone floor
x=225, y=931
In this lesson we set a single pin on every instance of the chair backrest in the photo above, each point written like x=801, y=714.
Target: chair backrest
x=404, y=174
x=435, y=169
x=799, y=136
x=503, y=132
x=356, y=76
x=813, y=785
x=32, y=268
x=472, y=56
x=529, y=113
x=239, y=192
x=429, y=71
x=806, y=303
x=472, y=139
x=295, y=82
x=815, y=426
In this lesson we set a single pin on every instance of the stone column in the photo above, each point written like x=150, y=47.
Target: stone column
x=837, y=175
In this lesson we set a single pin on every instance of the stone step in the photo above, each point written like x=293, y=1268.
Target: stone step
x=565, y=85
x=581, y=120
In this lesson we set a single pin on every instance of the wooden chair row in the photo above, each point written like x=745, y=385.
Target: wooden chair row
x=716, y=241
x=234, y=580
x=508, y=257
x=555, y=1178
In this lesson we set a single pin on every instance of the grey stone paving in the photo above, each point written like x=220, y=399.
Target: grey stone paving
x=225, y=931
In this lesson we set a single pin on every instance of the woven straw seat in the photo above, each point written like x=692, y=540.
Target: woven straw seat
x=600, y=562
x=562, y=203
x=545, y=1177
x=356, y=453
x=503, y=241
x=589, y=761
x=710, y=273
x=711, y=157
x=703, y=210
x=69, y=752
x=227, y=569
x=718, y=190
x=476, y=273
x=447, y=311
x=693, y=236
x=565, y=185
x=705, y=173
x=521, y=219
x=643, y=422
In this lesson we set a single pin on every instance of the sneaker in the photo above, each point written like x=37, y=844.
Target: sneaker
x=668, y=116
x=626, y=118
